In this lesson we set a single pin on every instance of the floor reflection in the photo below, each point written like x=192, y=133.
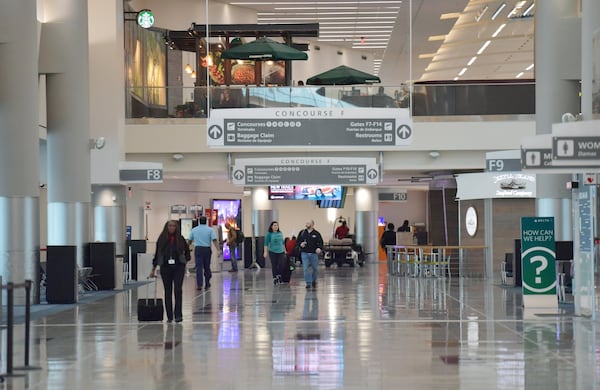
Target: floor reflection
x=359, y=329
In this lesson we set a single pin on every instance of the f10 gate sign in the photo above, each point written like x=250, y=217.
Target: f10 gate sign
x=538, y=255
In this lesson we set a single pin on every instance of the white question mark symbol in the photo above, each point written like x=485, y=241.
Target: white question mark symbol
x=543, y=265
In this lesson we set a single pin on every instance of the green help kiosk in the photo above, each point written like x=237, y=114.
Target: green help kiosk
x=538, y=262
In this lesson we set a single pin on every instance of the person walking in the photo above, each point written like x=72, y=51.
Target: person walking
x=172, y=254
x=311, y=246
x=388, y=237
x=202, y=236
x=232, y=245
x=275, y=251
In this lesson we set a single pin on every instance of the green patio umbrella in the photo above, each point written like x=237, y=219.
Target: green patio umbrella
x=264, y=49
x=343, y=75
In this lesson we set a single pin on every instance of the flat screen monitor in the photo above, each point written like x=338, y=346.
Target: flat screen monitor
x=230, y=211
x=305, y=192
x=333, y=203
x=186, y=225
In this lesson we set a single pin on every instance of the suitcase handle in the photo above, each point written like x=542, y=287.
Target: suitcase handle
x=148, y=288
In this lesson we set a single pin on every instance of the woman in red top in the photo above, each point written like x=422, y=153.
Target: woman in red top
x=290, y=244
x=342, y=231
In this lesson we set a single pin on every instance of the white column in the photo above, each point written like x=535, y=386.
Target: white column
x=107, y=88
x=555, y=22
x=367, y=206
x=263, y=212
x=109, y=202
x=107, y=118
x=556, y=88
x=553, y=200
x=66, y=58
x=19, y=149
x=590, y=22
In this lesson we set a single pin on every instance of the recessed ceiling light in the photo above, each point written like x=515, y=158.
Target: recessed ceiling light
x=494, y=35
x=530, y=67
x=519, y=75
x=485, y=45
x=436, y=38
x=528, y=10
x=471, y=61
x=481, y=13
x=463, y=70
x=450, y=15
x=260, y=14
x=456, y=78
x=495, y=15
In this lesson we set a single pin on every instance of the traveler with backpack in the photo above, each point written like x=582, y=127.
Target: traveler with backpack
x=275, y=251
x=232, y=242
x=311, y=245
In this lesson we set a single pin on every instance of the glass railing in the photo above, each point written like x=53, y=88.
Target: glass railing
x=192, y=102
x=428, y=99
x=474, y=98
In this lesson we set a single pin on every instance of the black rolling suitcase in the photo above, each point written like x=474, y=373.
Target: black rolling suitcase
x=150, y=309
x=286, y=269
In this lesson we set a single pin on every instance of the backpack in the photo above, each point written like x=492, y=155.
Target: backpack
x=239, y=237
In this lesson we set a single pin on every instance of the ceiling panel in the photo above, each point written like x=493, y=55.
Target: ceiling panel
x=381, y=28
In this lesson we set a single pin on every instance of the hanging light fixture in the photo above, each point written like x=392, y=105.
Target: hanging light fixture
x=188, y=69
x=193, y=74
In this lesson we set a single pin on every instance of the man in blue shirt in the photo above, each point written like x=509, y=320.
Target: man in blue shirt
x=202, y=236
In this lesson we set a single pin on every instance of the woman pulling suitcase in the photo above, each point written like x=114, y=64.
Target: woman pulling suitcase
x=275, y=250
x=172, y=254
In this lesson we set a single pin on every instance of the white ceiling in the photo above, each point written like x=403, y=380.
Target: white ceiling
x=382, y=28
x=462, y=36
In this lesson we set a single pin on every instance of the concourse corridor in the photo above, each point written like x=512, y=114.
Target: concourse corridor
x=360, y=329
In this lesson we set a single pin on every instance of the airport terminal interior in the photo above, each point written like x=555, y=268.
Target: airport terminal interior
x=457, y=141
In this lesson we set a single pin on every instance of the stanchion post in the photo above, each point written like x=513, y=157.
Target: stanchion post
x=10, y=310
x=27, y=319
x=9, y=327
x=28, y=284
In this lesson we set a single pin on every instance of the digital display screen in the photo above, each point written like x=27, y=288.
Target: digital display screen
x=186, y=226
x=305, y=192
x=230, y=211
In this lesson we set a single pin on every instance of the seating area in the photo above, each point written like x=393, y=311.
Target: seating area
x=506, y=268
x=419, y=261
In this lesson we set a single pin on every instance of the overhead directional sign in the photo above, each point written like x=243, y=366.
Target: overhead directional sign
x=310, y=126
x=399, y=196
x=140, y=172
x=540, y=158
x=576, y=148
x=503, y=161
x=305, y=170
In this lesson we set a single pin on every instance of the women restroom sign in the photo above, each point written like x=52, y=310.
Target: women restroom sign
x=538, y=259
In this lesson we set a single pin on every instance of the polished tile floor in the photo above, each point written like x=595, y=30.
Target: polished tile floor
x=360, y=329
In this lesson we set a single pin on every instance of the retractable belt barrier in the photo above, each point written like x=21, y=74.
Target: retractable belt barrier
x=10, y=308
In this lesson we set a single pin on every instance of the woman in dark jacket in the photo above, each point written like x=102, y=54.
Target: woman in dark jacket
x=388, y=237
x=172, y=254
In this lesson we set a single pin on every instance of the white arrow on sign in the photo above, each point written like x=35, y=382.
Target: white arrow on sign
x=404, y=131
x=238, y=174
x=215, y=132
